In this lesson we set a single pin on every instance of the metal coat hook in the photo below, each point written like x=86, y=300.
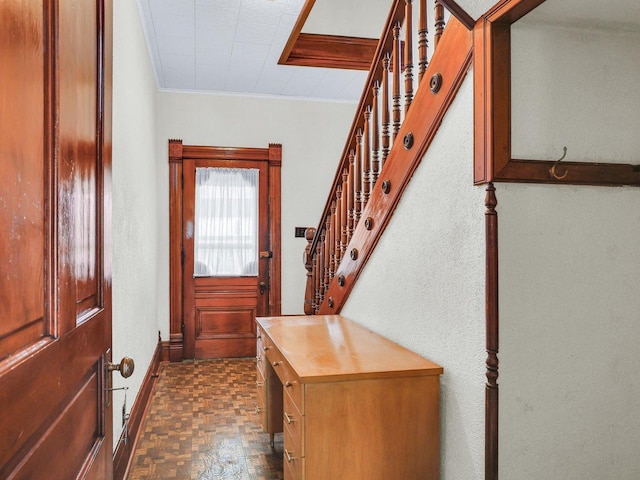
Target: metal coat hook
x=552, y=170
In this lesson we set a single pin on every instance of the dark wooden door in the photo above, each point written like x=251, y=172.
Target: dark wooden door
x=55, y=278
x=220, y=310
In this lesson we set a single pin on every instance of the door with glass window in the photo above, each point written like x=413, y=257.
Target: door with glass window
x=226, y=255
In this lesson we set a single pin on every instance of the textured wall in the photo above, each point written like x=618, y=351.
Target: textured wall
x=312, y=136
x=569, y=332
x=569, y=256
x=424, y=284
x=136, y=205
x=576, y=88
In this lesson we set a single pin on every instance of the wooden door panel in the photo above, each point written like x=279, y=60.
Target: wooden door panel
x=225, y=312
x=40, y=389
x=225, y=320
x=80, y=418
x=22, y=182
x=79, y=152
x=55, y=297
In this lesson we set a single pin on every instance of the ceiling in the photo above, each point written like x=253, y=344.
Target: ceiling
x=233, y=46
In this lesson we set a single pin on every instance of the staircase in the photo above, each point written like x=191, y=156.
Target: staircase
x=408, y=91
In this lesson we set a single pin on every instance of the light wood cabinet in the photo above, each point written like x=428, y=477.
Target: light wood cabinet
x=353, y=404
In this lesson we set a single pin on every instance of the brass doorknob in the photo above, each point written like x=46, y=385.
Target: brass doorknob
x=125, y=367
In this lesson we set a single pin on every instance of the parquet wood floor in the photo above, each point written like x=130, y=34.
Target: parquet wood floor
x=202, y=425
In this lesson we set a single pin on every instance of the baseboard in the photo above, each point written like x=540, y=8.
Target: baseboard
x=124, y=451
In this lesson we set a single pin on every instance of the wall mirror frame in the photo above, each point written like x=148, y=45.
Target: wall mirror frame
x=492, y=113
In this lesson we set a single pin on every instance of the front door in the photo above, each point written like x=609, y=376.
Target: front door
x=227, y=254
x=55, y=278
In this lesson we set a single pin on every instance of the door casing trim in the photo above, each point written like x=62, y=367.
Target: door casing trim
x=179, y=152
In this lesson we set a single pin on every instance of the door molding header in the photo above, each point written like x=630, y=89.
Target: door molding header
x=179, y=152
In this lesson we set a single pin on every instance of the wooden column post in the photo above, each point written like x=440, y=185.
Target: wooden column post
x=491, y=285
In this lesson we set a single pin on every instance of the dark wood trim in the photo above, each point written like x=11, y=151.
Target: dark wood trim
x=201, y=152
x=275, y=221
x=329, y=51
x=175, y=250
x=295, y=32
x=452, y=60
x=332, y=51
x=164, y=351
x=123, y=453
x=459, y=12
x=492, y=117
x=178, y=152
x=492, y=333
x=492, y=98
x=573, y=173
x=176, y=344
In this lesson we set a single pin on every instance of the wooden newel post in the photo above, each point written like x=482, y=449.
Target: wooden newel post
x=310, y=290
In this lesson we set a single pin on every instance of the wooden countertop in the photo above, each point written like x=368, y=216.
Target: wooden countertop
x=331, y=348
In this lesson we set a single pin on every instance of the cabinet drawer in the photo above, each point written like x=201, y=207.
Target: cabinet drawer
x=260, y=358
x=261, y=397
x=290, y=381
x=293, y=461
x=294, y=423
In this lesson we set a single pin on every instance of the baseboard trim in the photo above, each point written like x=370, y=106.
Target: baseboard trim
x=123, y=453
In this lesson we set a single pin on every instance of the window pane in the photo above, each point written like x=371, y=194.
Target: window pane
x=226, y=222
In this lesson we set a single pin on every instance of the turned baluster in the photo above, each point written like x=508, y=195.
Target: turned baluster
x=324, y=264
x=337, y=226
x=344, y=224
x=331, y=242
x=397, y=68
x=358, y=178
x=386, y=63
x=408, y=56
x=316, y=280
x=319, y=273
x=350, y=195
x=366, y=158
x=423, y=42
x=375, y=136
x=309, y=292
x=439, y=18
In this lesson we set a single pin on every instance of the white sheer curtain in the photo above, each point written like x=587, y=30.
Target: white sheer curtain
x=226, y=222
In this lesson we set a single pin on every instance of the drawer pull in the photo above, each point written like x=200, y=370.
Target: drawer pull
x=266, y=348
x=259, y=384
x=288, y=384
x=258, y=409
x=288, y=418
x=275, y=364
x=288, y=454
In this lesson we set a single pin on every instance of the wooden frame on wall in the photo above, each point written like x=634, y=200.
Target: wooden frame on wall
x=492, y=122
x=177, y=153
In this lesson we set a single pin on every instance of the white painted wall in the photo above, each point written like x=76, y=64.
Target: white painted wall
x=136, y=206
x=312, y=135
x=577, y=88
x=569, y=309
x=569, y=332
x=423, y=286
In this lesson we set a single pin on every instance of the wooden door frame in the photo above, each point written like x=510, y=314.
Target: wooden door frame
x=177, y=154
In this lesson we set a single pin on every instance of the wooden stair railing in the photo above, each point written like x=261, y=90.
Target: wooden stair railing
x=374, y=168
